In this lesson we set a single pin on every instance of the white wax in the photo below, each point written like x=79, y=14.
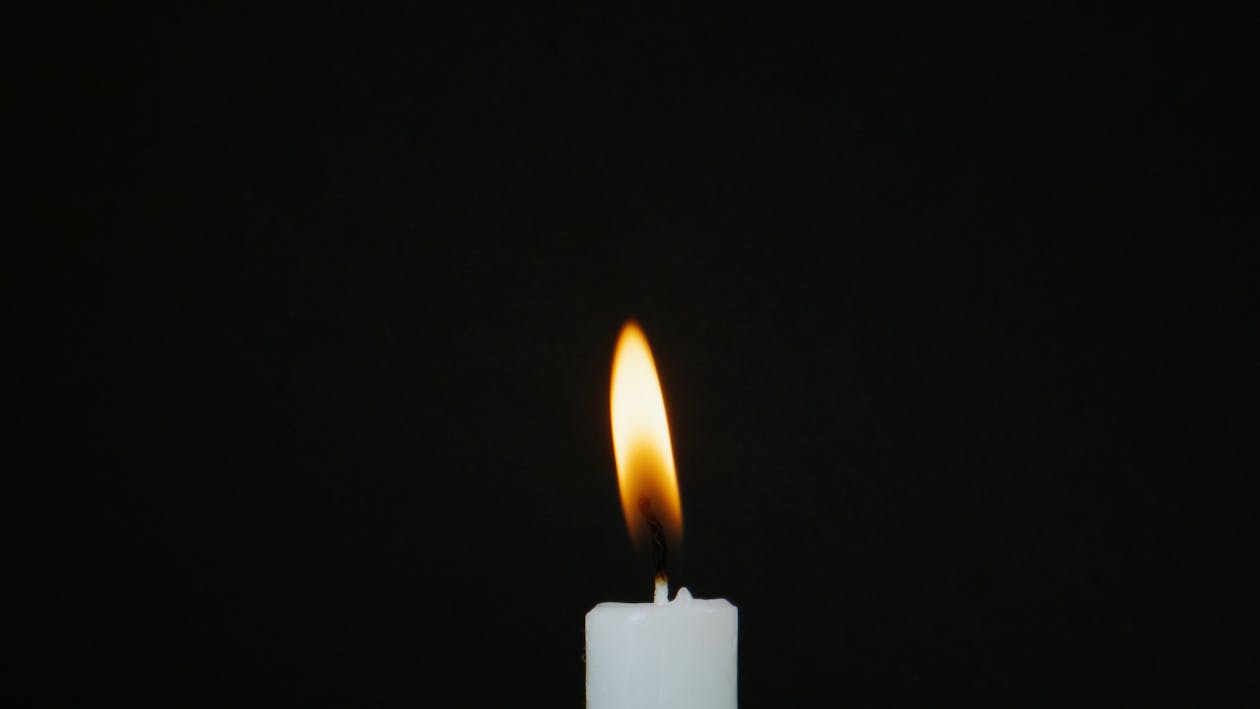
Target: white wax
x=679, y=654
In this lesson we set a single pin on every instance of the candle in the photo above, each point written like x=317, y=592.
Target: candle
x=678, y=654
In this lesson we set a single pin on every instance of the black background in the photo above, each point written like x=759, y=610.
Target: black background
x=320, y=311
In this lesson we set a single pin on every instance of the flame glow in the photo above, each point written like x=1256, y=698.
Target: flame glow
x=641, y=445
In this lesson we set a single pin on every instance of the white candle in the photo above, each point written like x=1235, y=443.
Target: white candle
x=678, y=654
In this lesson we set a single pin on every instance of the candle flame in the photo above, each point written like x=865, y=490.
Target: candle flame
x=641, y=445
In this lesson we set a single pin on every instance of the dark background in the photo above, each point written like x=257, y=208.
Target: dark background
x=316, y=320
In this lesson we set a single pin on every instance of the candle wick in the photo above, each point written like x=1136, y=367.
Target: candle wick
x=660, y=553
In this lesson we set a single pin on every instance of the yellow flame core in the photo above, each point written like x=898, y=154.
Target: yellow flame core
x=645, y=458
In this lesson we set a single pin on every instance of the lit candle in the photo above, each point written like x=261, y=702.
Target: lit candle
x=678, y=654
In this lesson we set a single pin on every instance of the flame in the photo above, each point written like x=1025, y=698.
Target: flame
x=645, y=458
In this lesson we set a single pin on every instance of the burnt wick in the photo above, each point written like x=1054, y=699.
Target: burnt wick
x=660, y=553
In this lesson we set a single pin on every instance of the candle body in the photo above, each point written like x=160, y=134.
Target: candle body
x=674, y=655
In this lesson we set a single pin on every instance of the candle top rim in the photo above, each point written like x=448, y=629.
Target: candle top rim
x=683, y=600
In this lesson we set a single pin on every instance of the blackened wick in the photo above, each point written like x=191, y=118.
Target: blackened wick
x=660, y=554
